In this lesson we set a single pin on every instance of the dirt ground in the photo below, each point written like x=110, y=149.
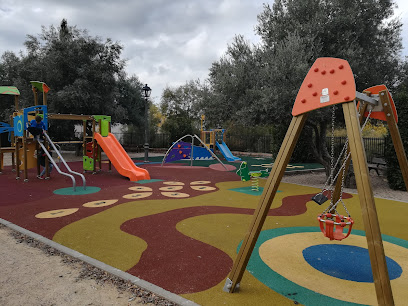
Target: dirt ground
x=34, y=274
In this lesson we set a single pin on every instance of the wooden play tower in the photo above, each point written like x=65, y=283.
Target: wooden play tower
x=330, y=81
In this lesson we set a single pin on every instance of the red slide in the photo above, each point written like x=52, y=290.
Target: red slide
x=120, y=159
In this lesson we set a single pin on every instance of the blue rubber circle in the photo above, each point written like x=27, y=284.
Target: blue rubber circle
x=346, y=262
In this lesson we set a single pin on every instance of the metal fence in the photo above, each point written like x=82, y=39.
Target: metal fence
x=250, y=143
x=136, y=140
x=375, y=147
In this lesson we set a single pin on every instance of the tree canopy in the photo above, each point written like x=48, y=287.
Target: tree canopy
x=85, y=73
x=257, y=84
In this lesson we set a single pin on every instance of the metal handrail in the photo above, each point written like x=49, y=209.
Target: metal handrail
x=64, y=162
x=56, y=166
x=192, y=145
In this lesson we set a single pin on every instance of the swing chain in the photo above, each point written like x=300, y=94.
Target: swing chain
x=330, y=179
x=332, y=144
x=333, y=206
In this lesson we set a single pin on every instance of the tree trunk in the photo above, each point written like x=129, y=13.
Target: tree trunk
x=318, y=145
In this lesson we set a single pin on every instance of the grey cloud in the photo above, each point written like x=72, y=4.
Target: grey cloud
x=166, y=42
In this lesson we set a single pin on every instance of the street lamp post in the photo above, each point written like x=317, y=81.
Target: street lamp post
x=146, y=91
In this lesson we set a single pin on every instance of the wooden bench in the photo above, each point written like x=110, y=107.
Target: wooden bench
x=376, y=164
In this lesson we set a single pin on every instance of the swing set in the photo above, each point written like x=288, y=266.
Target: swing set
x=330, y=82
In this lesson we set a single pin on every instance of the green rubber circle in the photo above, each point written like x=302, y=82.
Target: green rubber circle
x=78, y=190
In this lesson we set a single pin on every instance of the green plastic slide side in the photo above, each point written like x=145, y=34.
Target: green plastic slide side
x=9, y=90
x=104, y=128
x=41, y=86
x=88, y=163
x=102, y=117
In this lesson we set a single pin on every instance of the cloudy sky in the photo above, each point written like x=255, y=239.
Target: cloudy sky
x=166, y=42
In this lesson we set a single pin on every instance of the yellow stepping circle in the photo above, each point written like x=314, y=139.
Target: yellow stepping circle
x=174, y=183
x=175, y=194
x=171, y=188
x=100, y=203
x=200, y=183
x=140, y=188
x=57, y=213
x=138, y=195
x=203, y=188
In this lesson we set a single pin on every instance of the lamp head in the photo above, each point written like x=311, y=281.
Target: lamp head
x=146, y=90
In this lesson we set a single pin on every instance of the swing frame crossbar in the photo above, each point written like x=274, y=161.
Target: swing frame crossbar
x=353, y=119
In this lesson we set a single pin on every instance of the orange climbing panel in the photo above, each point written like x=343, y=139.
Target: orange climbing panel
x=378, y=112
x=329, y=81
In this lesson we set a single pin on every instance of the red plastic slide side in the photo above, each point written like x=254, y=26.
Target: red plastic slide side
x=329, y=81
x=380, y=115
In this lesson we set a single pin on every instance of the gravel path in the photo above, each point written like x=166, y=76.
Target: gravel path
x=379, y=184
x=33, y=273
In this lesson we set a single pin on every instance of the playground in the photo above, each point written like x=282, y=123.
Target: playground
x=214, y=231
x=187, y=245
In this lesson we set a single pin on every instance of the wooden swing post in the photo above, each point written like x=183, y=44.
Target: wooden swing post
x=264, y=204
x=395, y=134
x=368, y=209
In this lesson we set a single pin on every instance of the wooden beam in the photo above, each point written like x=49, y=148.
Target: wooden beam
x=35, y=92
x=69, y=117
x=16, y=106
x=94, y=145
x=17, y=144
x=265, y=201
x=368, y=209
x=395, y=136
x=84, y=138
x=25, y=157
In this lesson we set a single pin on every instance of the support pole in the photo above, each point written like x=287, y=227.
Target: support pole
x=25, y=157
x=84, y=123
x=35, y=92
x=17, y=144
x=99, y=154
x=368, y=209
x=94, y=145
x=16, y=106
x=265, y=202
x=395, y=136
x=147, y=134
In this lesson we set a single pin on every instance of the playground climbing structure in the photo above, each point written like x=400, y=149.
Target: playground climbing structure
x=23, y=145
x=215, y=138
